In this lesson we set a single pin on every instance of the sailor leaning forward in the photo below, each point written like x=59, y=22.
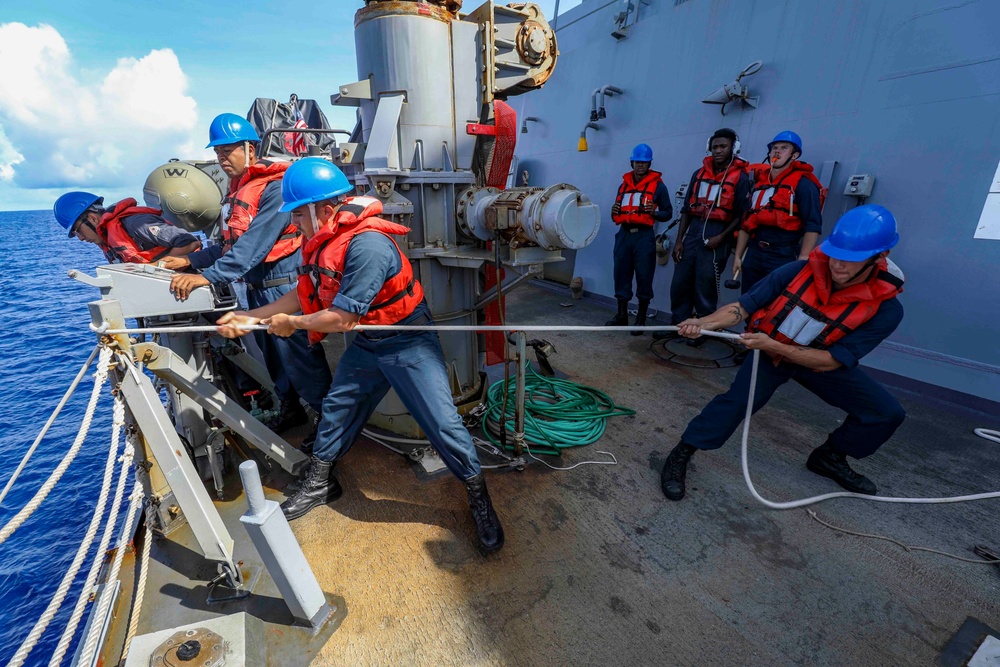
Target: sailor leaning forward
x=125, y=232
x=353, y=273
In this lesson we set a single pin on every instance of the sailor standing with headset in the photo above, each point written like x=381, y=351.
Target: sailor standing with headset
x=716, y=200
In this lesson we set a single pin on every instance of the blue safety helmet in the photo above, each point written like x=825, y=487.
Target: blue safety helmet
x=310, y=180
x=862, y=232
x=228, y=128
x=642, y=153
x=788, y=136
x=72, y=205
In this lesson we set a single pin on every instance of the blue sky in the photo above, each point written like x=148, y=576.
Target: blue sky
x=94, y=95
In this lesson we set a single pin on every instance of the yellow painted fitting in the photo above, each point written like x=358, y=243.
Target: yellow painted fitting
x=582, y=145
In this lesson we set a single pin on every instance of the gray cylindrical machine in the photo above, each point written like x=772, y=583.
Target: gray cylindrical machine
x=559, y=217
x=433, y=133
x=188, y=196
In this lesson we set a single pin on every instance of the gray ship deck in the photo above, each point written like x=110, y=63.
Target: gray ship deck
x=600, y=569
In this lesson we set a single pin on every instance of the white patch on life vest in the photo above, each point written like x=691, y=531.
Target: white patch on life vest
x=801, y=328
x=761, y=198
x=708, y=191
x=154, y=230
x=632, y=199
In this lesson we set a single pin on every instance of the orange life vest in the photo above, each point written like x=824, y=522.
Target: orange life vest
x=810, y=313
x=632, y=196
x=323, y=265
x=244, y=201
x=118, y=246
x=772, y=204
x=713, y=194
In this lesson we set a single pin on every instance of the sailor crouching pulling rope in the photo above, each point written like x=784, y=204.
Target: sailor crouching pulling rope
x=814, y=319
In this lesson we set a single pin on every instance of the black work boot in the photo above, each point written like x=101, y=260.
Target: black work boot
x=621, y=317
x=307, y=442
x=291, y=413
x=640, y=315
x=318, y=488
x=675, y=470
x=826, y=462
x=488, y=528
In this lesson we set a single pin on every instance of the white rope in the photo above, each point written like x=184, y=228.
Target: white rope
x=67, y=581
x=102, y=548
x=435, y=327
x=840, y=494
x=140, y=587
x=99, y=377
x=45, y=429
x=101, y=609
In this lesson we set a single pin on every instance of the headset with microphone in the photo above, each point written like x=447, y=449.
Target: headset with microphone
x=716, y=135
x=722, y=133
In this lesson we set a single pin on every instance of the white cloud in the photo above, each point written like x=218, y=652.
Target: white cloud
x=57, y=131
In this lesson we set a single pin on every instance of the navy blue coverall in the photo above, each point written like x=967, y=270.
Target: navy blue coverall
x=412, y=363
x=873, y=415
x=297, y=369
x=635, y=251
x=695, y=285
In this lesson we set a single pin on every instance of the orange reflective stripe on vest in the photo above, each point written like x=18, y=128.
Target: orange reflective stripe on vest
x=323, y=262
x=633, y=196
x=244, y=202
x=713, y=194
x=810, y=313
x=772, y=203
x=118, y=245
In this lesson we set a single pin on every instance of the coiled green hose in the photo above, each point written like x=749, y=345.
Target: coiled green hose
x=557, y=413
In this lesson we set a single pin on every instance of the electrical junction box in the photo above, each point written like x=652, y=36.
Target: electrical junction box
x=859, y=185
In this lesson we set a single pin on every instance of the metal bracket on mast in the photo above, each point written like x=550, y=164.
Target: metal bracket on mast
x=144, y=403
x=168, y=366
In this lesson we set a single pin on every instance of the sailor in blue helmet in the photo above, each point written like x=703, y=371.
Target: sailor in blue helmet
x=813, y=320
x=354, y=272
x=784, y=218
x=260, y=246
x=125, y=232
x=642, y=200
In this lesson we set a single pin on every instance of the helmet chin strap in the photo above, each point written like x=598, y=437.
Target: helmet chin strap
x=313, y=217
x=867, y=265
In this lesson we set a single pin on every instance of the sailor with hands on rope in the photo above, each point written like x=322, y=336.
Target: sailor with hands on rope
x=354, y=273
x=261, y=247
x=813, y=320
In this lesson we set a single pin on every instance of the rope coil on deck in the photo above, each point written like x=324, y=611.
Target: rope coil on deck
x=557, y=413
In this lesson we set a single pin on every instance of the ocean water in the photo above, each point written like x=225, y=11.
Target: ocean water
x=45, y=340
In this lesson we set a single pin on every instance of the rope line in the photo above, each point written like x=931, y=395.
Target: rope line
x=424, y=327
x=45, y=429
x=906, y=547
x=99, y=378
x=133, y=624
x=102, y=549
x=840, y=494
x=101, y=609
x=67, y=581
